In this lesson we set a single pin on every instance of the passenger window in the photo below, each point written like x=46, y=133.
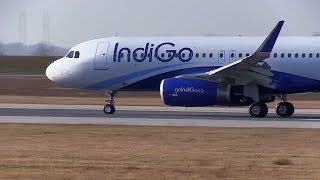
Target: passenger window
x=282, y=55
x=176, y=55
x=232, y=55
x=121, y=55
x=247, y=54
x=162, y=55
x=77, y=54
x=210, y=55
x=142, y=55
x=197, y=55
x=204, y=55
x=70, y=55
x=240, y=55
x=297, y=55
x=289, y=55
x=303, y=55
x=275, y=55
x=318, y=55
x=190, y=55
x=183, y=55
x=221, y=55
x=310, y=55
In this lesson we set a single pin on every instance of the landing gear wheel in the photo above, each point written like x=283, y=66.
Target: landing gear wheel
x=109, y=109
x=258, y=110
x=285, y=109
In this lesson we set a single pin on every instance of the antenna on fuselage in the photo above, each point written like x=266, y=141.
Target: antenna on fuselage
x=115, y=34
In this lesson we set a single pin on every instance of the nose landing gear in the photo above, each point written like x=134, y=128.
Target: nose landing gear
x=109, y=108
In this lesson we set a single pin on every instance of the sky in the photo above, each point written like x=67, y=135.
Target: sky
x=75, y=21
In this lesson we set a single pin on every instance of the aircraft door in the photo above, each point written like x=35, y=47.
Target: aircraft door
x=221, y=55
x=101, y=59
x=232, y=56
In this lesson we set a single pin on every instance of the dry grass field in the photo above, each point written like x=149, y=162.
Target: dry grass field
x=129, y=152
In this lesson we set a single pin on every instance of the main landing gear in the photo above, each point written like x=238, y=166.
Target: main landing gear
x=109, y=108
x=258, y=109
x=283, y=109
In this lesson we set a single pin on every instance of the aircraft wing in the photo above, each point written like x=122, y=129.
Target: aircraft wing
x=251, y=69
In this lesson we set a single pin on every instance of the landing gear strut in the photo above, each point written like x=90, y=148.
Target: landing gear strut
x=109, y=108
x=284, y=109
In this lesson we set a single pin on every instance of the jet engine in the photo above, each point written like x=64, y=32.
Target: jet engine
x=188, y=92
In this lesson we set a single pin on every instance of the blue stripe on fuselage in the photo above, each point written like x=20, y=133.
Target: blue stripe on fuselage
x=153, y=83
x=117, y=80
x=285, y=83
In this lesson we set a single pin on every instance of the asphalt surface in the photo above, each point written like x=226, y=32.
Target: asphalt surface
x=154, y=116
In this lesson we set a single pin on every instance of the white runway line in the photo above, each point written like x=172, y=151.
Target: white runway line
x=160, y=122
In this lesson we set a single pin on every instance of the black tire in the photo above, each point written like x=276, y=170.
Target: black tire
x=258, y=110
x=291, y=109
x=282, y=109
x=109, y=109
x=285, y=109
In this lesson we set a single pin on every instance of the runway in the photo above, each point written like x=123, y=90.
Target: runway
x=153, y=116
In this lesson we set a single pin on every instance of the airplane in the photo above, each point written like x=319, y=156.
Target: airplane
x=197, y=71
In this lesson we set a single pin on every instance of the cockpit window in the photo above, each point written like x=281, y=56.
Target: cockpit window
x=77, y=54
x=70, y=55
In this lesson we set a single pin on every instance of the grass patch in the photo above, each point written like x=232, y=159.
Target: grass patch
x=133, y=168
x=283, y=162
x=49, y=132
x=223, y=172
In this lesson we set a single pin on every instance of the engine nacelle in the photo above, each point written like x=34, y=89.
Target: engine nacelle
x=188, y=92
x=196, y=93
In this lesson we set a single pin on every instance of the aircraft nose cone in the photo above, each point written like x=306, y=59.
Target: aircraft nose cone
x=58, y=74
x=49, y=73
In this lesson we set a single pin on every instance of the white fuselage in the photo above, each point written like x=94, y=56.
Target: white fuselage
x=118, y=62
